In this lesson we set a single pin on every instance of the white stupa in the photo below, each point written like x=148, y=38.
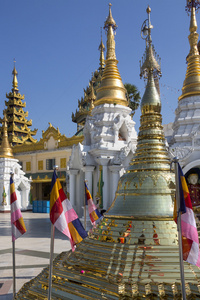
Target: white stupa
x=9, y=164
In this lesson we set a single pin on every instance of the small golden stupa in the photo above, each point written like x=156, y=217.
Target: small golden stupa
x=133, y=253
x=5, y=148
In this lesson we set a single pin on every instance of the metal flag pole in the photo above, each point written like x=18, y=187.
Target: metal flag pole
x=51, y=261
x=13, y=254
x=51, y=256
x=175, y=160
x=85, y=210
x=14, y=278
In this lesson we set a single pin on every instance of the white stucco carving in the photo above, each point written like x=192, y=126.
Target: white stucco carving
x=184, y=141
x=109, y=140
x=22, y=184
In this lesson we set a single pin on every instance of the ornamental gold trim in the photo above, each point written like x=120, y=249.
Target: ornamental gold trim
x=144, y=194
x=137, y=218
x=111, y=101
x=192, y=93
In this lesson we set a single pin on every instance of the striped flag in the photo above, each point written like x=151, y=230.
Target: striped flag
x=93, y=211
x=190, y=240
x=17, y=222
x=63, y=216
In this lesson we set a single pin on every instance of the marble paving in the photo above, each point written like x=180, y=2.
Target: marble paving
x=32, y=250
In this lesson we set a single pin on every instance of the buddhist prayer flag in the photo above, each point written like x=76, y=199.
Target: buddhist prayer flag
x=93, y=211
x=17, y=222
x=63, y=216
x=190, y=240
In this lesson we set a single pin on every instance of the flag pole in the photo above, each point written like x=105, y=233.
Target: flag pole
x=85, y=209
x=175, y=160
x=13, y=255
x=51, y=255
x=18, y=227
x=51, y=261
x=14, y=278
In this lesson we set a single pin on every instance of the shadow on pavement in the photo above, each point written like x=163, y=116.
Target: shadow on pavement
x=36, y=228
x=6, y=297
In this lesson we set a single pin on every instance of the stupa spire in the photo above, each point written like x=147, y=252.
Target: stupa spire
x=150, y=64
x=101, y=49
x=191, y=85
x=5, y=148
x=151, y=157
x=110, y=26
x=15, y=82
x=111, y=89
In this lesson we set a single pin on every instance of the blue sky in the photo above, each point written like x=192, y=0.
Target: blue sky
x=55, y=45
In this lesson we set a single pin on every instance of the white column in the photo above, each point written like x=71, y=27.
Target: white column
x=115, y=169
x=25, y=198
x=105, y=188
x=88, y=170
x=72, y=186
x=103, y=160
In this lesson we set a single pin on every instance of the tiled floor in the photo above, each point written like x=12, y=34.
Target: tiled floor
x=32, y=250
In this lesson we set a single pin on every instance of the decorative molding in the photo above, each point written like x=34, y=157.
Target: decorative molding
x=180, y=152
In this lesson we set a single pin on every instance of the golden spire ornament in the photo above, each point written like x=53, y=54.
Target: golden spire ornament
x=110, y=26
x=150, y=59
x=191, y=85
x=15, y=82
x=101, y=49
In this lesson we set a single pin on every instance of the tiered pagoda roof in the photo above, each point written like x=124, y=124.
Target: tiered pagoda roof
x=86, y=104
x=19, y=131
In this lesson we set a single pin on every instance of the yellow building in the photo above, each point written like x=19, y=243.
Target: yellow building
x=38, y=160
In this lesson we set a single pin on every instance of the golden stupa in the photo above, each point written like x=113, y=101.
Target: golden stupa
x=5, y=148
x=111, y=89
x=133, y=253
x=191, y=85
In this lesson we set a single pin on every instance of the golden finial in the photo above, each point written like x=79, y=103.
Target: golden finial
x=5, y=148
x=110, y=26
x=101, y=49
x=15, y=82
x=148, y=9
x=191, y=85
x=110, y=21
x=150, y=69
x=193, y=37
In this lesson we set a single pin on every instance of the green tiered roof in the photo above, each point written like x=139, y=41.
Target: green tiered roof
x=18, y=126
